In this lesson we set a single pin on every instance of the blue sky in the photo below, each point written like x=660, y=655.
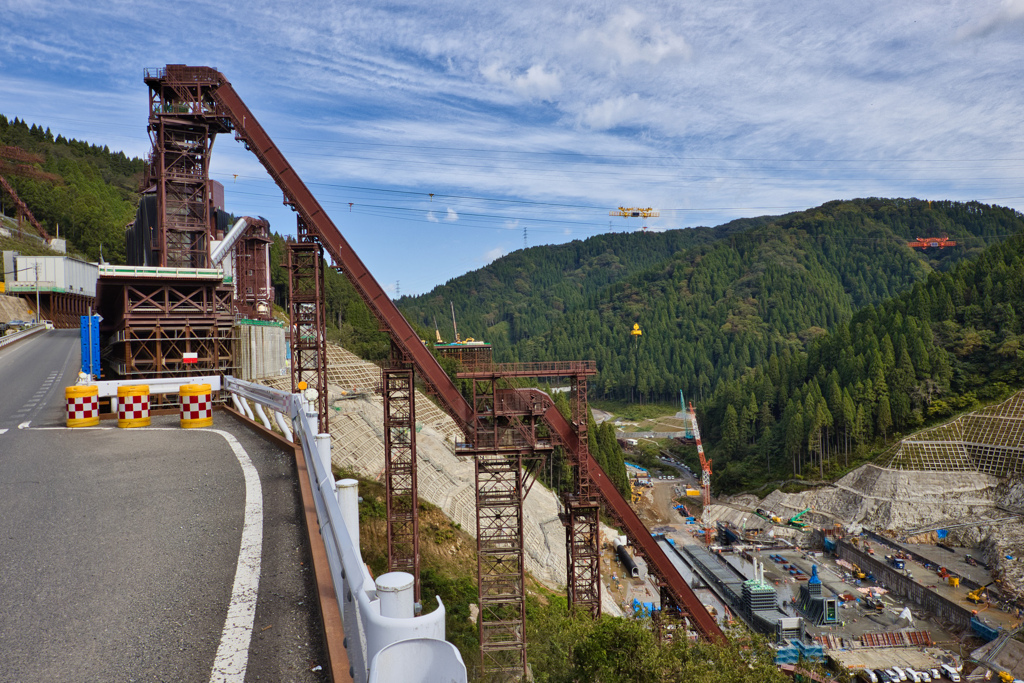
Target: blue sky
x=546, y=115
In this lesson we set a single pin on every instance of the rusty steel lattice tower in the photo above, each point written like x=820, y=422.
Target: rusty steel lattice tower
x=183, y=123
x=254, y=297
x=399, y=392
x=306, y=313
x=506, y=450
x=503, y=440
x=582, y=516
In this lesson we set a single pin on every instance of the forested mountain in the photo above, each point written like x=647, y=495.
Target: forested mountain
x=951, y=340
x=89, y=191
x=723, y=301
x=520, y=296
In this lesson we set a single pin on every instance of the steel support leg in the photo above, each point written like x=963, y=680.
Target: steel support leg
x=583, y=533
x=501, y=569
x=306, y=312
x=400, y=471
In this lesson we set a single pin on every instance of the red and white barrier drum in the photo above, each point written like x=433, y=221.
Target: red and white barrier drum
x=133, y=406
x=83, y=406
x=196, y=405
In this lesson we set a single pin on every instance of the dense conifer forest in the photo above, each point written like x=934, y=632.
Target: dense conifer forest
x=808, y=341
x=88, y=191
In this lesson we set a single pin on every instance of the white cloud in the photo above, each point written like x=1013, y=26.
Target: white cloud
x=536, y=83
x=451, y=216
x=1008, y=16
x=629, y=37
x=613, y=112
x=493, y=254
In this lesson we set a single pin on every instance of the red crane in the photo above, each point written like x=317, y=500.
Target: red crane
x=931, y=242
x=705, y=477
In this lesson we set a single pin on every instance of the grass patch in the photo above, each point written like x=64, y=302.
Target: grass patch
x=635, y=412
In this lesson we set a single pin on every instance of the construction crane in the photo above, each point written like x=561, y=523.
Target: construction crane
x=705, y=474
x=454, y=325
x=634, y=212
x=932, y=242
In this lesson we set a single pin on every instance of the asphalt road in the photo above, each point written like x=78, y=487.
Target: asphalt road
x=120, y=547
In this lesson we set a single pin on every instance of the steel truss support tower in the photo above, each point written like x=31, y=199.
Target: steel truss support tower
x=398, y=388
x=582, y=517
x=182, y=127
x=501, y=567
x=501, y=571
x=506, y=450
x=306, y=312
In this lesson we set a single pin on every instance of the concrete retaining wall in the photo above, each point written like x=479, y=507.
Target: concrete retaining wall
x=898, y=584
x=965, y=581
x=261, y=350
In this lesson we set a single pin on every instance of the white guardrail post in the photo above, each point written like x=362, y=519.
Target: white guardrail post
x=386, y=643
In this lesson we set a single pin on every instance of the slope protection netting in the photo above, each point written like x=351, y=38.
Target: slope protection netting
x=989, y=440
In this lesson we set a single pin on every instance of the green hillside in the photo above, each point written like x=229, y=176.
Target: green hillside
x=712, y=303
x=87, y=190
x=951, y=341
x=522, y=295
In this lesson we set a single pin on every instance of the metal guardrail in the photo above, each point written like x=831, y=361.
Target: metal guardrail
x=18, y=336
x=385, y=642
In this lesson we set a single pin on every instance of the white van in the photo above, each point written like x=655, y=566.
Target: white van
x=900, y=672
x=950, y=673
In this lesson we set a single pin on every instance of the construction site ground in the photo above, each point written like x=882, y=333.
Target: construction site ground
x=655, y=507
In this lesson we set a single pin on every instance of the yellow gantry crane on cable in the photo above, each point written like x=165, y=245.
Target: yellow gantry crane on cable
x=634, y=212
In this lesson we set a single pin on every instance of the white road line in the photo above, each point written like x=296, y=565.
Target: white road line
x=3, y=431
x=24, y=425
x=233, y=652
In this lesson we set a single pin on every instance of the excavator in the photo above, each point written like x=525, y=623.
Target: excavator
x=795, y=522
x=977, y=596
